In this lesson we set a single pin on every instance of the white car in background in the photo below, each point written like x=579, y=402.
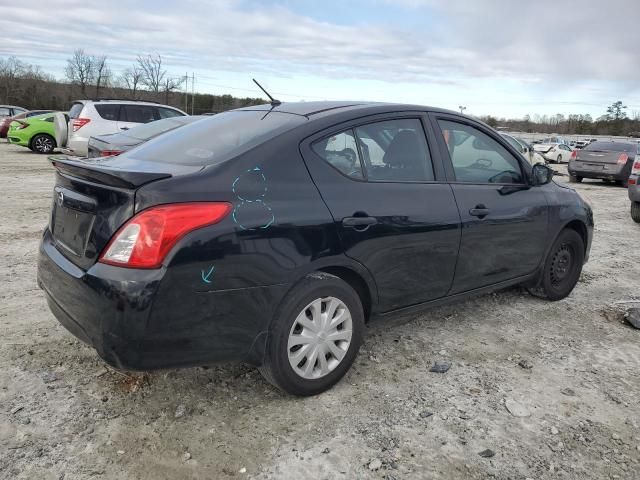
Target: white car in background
x=554, y=152
x=90, y=118
x=525, y=149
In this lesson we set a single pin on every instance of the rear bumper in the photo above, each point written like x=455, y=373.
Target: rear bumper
x=605, y=172
x=121, y=313
x=634, y=189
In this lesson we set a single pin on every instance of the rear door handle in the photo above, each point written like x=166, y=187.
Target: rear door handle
x=479, y=211
x=359, y=223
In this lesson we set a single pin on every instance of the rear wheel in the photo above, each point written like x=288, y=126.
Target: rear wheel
x=575, y=179
x=635, y=211
x=562, y=267
x=623, y=183
x=315, y=336
x=43, y=144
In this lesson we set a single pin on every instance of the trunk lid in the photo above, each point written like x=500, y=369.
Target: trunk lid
x=598, y=156
x=92, y=199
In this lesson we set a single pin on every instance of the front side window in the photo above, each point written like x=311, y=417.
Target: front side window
x=5, y=112
x=395, y=151
x=341, y=152
x=478, y=158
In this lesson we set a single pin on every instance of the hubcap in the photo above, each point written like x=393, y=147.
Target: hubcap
x=320, y=337
x=43, y=144
x=561, y=264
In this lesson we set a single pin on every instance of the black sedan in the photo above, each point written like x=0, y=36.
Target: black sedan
x=117, y=143
x=273, y=234
x=611, y=161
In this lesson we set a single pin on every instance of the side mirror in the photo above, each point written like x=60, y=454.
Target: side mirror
x=541, y=175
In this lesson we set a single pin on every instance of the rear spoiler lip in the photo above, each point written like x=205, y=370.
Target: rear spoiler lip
x=89, y=170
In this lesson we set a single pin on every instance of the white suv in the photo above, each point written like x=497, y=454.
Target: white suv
x=88, y=118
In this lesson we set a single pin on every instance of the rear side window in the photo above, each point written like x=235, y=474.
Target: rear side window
x=478, y=158
x=75, y=110
x=108, y=111
x=395, y=151
x=168, y=113
x=341, y=151
x=48, y=119
x=218, y=138
x=138, y=113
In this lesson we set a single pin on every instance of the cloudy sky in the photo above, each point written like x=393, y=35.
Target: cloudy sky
x=500, y=57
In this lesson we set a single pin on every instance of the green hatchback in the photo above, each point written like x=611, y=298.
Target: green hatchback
x=36, y=133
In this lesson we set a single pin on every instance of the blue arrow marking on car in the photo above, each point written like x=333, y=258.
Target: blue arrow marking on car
x=205, y=278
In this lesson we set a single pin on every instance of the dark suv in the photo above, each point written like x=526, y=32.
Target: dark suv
x=272, y=234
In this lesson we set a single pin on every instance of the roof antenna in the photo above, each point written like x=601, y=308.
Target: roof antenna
x=274, y=102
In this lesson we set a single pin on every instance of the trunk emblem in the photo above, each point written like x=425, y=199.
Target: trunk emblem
x=60, y=198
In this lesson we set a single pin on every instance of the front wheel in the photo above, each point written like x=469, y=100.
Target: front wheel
x=315, y=336
x=575, y=179
x=562, y=267
x=635, y=211
x=43, y=144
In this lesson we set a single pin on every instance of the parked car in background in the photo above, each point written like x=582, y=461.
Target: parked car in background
x=525, y=149
x=259, y=234
x=89, y=118
x=6, y=121
x=554, y=152
x=610, y=161
x=117, y=143
x=634, y=190
x=558, y=140
x=10, y=110
x=36, y=133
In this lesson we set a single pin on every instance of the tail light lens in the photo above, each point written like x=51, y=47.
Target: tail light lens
x=78, y=123
x=622, y=159
x=574, y=155
x=636, y=168
x=146, y=239
x=109, y=153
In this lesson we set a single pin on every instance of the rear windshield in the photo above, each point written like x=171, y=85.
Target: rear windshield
x=611, y=147
x=153, y=129
x=217, y=138
x=75, y=110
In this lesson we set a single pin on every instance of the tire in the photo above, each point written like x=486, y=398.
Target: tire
x=43, y=143
x=295, y=376
x=575, y=179
x=562, y=267
x=623, y=183
x=635, y=211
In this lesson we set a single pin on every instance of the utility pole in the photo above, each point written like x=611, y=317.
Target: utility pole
x=462, y=108
x=186, y=91
x=193, y=90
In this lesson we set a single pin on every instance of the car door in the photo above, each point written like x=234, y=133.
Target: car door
x=504, y=221
x=394, y=212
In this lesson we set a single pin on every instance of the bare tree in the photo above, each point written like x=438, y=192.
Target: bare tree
x=80, y=69
x=153, y=74
x=131, y=79
x=169, y=85
x=102, y=72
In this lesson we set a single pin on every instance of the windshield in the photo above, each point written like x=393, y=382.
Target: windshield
x=216, y=139
x=153, y=129
x=611, y=147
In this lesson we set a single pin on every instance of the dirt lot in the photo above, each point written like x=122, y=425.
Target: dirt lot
x=64, y=415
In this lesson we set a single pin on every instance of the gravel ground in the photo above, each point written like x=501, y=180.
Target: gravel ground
x=535, y=390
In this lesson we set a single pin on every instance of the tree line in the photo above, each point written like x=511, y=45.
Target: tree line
x=91, y=76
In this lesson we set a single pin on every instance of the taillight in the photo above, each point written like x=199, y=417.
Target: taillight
x=78, y=123
x=574, y=155
x=146, y=239
x=109, y=153
x=636, y=168
x=622, y=159
x=632, y=181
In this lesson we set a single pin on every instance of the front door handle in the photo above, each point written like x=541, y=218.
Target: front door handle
x=359, y=223
x=479, y=211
